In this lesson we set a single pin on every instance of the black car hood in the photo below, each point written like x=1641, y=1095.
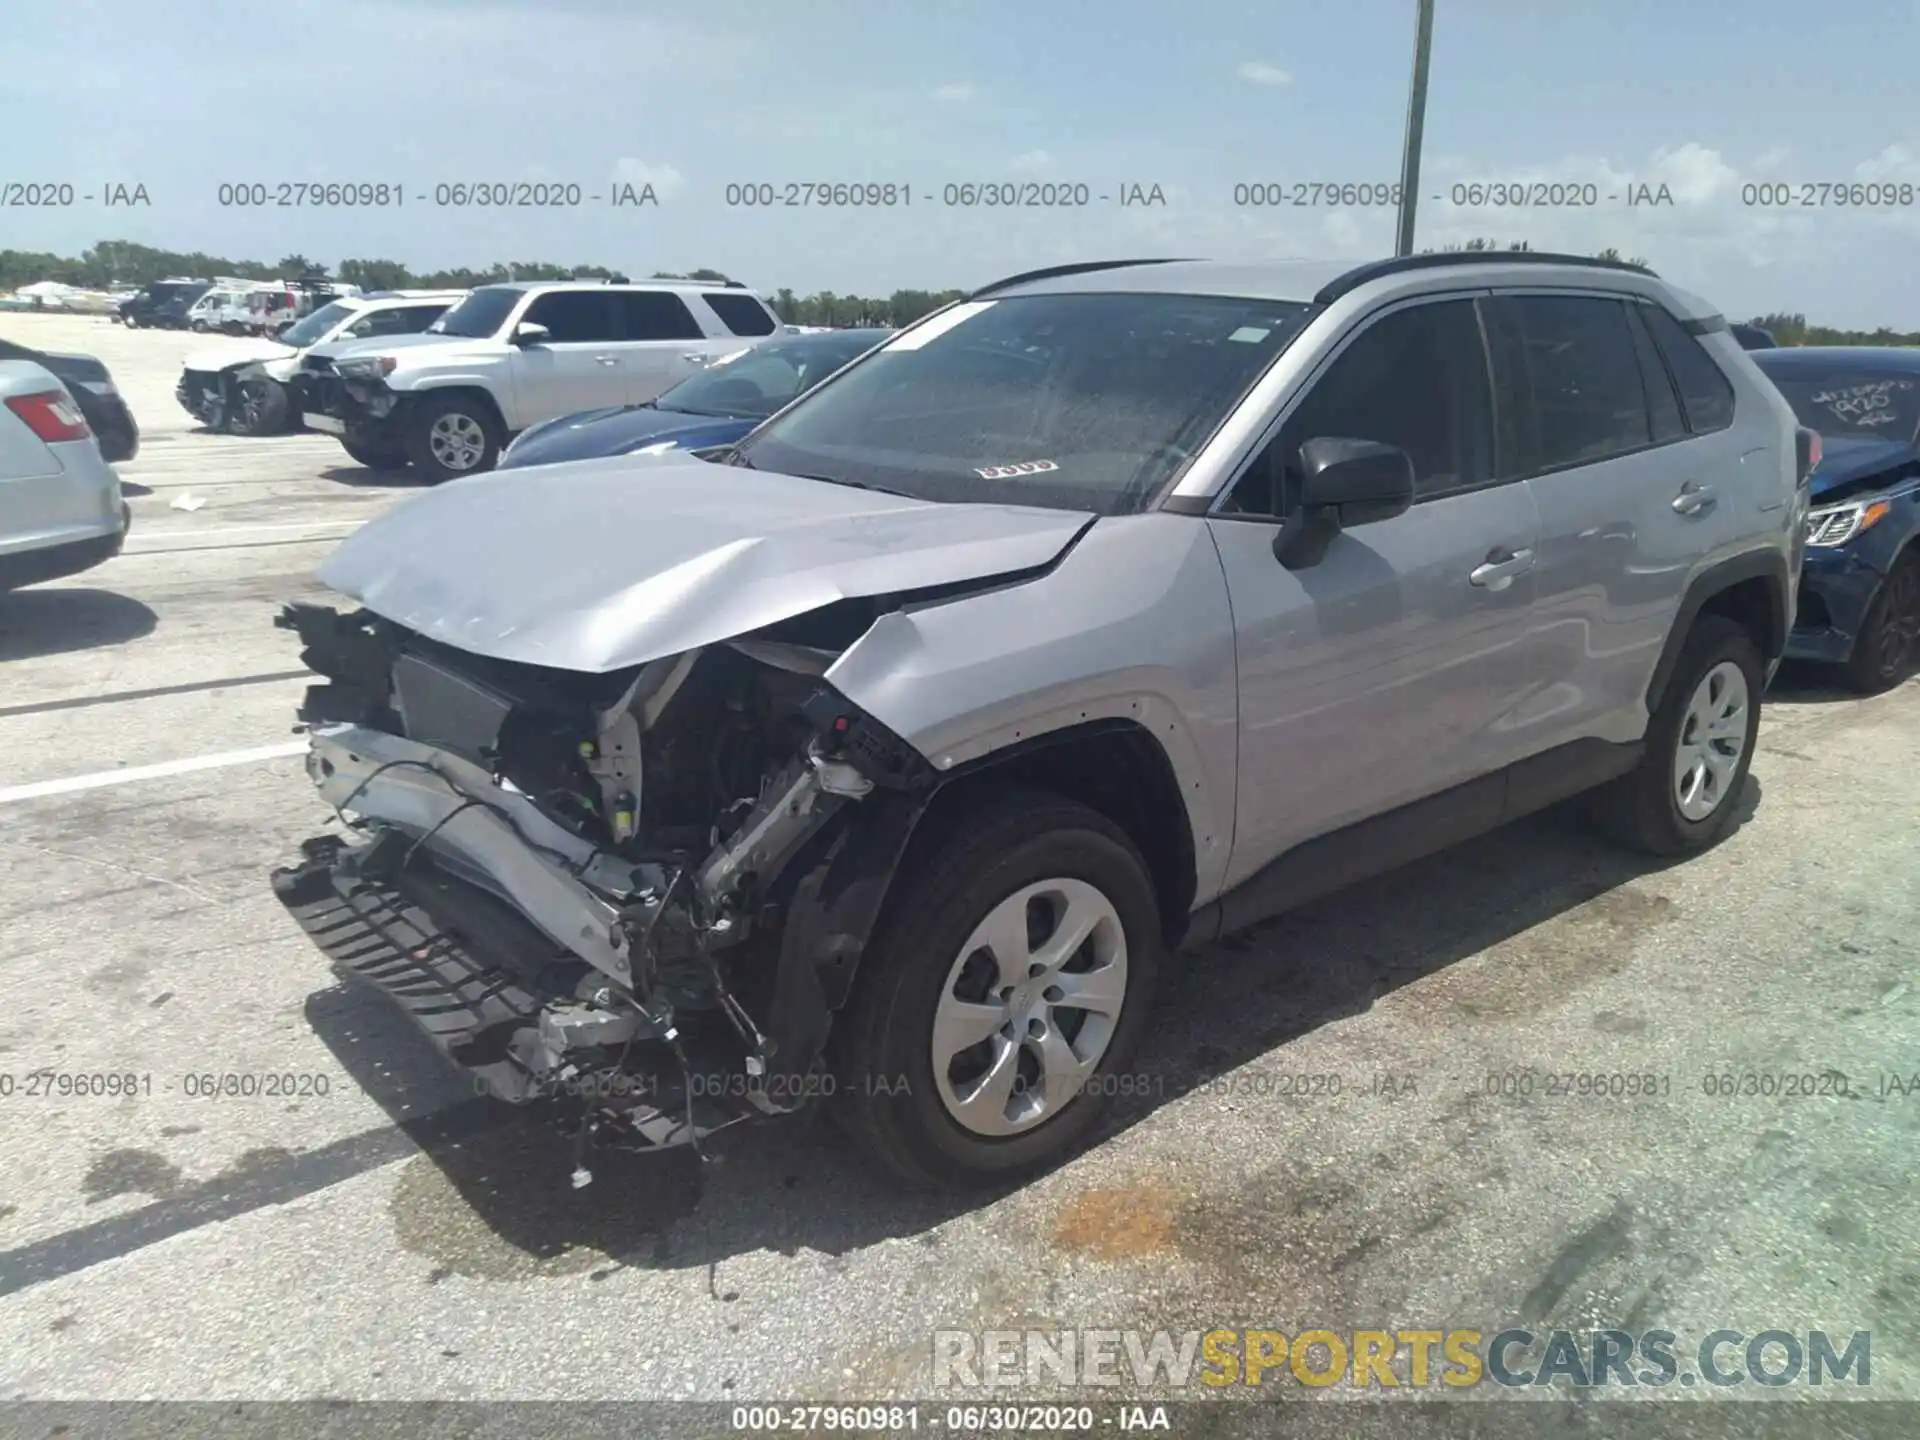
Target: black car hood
x=1846, y=460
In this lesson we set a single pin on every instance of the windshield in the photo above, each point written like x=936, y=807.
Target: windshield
x=1853, y=404
x=1083, y=402
x=752, y=384
x=309, y=330
x=480, y=315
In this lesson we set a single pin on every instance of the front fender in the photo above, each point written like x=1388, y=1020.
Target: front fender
x=495, y=386
x=1132, y=623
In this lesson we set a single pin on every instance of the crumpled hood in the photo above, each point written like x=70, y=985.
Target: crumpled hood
x=594, y=566
x=1847, y=460
x=238, y=352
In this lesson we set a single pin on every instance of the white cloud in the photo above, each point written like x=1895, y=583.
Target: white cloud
x=954, y=92
x=664, y=178
x=1261, y=73
x=1032, y=161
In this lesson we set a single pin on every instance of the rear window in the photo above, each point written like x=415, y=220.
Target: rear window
x=1856, y=404
x=741, y=313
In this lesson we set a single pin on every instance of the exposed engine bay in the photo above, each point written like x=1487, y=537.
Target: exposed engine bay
x=632, y=895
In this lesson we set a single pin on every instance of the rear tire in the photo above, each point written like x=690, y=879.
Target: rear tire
x=260, y=408
x=448, y=436
x=930, y=1024
x=1685, y=792
x=1889, y=640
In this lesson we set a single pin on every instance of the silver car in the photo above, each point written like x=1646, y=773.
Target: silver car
x=882, y=759
x=60, y=506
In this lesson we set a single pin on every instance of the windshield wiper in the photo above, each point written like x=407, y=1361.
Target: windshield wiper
x=849, y=483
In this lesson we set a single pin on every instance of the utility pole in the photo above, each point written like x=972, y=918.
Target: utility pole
x=1416, y=125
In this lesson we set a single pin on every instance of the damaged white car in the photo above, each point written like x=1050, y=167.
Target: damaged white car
x=876, y=760
x=249, y=387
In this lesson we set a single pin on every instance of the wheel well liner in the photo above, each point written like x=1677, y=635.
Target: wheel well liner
x=1749, y=589
x=1114, y=766
x=428, y=394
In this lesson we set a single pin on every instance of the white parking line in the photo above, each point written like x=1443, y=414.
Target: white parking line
x=188, y=532
x=165, y=768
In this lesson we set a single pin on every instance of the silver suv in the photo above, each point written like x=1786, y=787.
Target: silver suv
x=882, y=758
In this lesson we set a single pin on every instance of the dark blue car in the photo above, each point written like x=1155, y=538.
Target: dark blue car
x=1860, y=585
x=716, y=407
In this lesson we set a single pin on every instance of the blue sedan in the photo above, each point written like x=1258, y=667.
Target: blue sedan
x=1860, y=584
x=716, y=407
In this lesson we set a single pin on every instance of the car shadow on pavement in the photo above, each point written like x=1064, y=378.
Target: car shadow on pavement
x=56, y=620
x=133, y=489
x=794, y=1184
x=399, y=478
x=1804, y=683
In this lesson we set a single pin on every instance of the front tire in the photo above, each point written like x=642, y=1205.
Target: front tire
x=372, y=456
x=1889, y=640
x=259, y=409
x=449, y=436
x=1002, y=996
x=1684, y=794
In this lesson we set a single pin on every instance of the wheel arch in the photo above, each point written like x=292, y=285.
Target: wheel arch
x=1752, y=590
x=1113, y=765
x=462, y=386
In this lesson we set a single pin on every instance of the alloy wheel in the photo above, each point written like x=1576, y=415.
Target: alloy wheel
x=1899, y=629
x=1029, y=1007
x=1713, y=737
x=457, y=441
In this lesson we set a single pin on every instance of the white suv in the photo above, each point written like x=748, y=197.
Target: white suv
x=242, y=386
x=510, y=356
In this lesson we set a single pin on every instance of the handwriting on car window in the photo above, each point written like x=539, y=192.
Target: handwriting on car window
x=1865, y=405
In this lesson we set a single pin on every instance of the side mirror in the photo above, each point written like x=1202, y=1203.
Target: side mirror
x=1343, y=482
x=527, y=333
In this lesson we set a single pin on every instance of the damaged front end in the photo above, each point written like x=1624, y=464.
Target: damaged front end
x=637, y=896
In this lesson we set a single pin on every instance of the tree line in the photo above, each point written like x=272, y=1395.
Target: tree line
x=113, y=262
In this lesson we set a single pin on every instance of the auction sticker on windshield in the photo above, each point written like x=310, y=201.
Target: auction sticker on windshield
x=1007, y=472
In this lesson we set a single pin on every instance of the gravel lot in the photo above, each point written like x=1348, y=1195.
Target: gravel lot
x=175, y=1247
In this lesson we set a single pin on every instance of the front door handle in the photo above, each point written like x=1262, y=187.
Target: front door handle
x=1693, y=499
x=1498, y=570
x=607, y=359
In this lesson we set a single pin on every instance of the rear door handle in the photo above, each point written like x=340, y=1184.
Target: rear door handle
x=696, y=357
x=1693, y=498
x=607, y=359
x=1498, y=570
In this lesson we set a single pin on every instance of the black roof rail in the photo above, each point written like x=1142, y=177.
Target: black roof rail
x=1380, y=269
x=1083, y=267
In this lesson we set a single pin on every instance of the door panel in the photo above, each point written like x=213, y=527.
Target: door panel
x=661, y=342
x=580, y=367
x=1379, y=676
x=1625, y=509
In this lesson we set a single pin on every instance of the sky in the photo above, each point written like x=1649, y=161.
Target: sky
x=1707, y=98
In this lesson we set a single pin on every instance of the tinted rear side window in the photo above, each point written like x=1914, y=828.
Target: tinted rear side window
x=1705, y=392
x=1663, y=402
x=1581, y=381
x=657, y=315
x=742, y=314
